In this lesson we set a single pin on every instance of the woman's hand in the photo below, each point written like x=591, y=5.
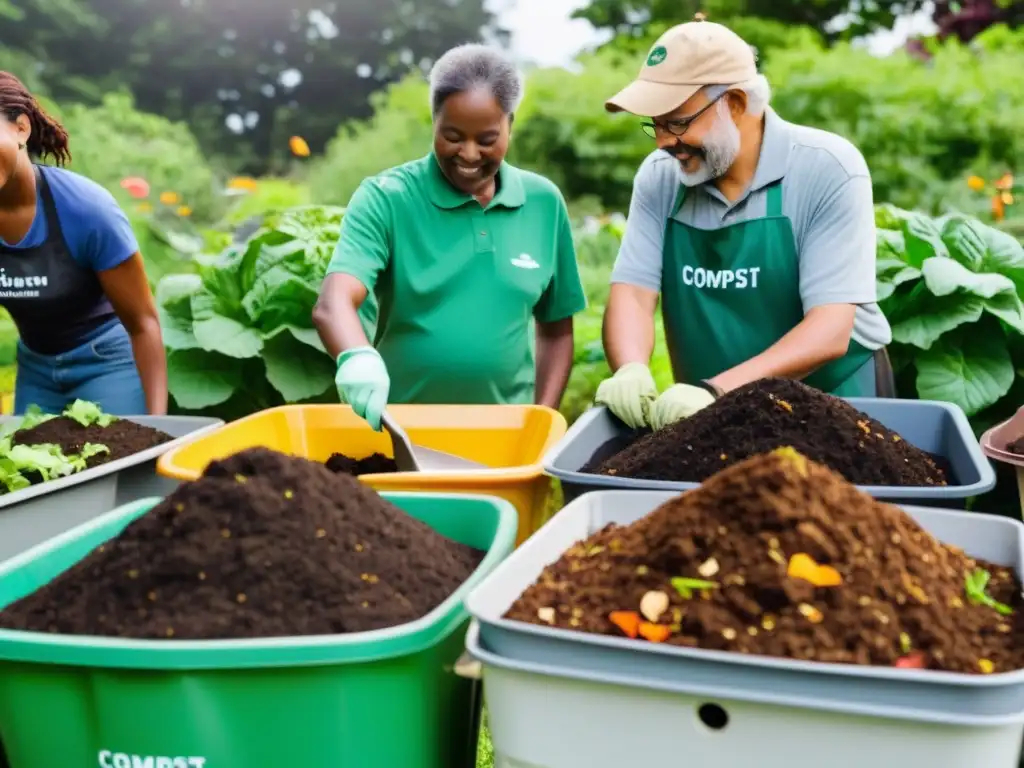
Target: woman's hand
x=363, y=382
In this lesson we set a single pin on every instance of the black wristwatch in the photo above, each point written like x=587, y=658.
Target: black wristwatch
x=713, y=389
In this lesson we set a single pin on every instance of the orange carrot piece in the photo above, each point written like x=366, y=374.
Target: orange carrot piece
x=913, y=660
x=827, y=576
x=627, y=621
x=655, y=633
x=803, y=566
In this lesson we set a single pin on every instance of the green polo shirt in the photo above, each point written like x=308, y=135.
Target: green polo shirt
x=459, y=284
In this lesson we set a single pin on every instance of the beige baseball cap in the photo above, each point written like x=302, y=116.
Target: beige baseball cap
x=682, y=61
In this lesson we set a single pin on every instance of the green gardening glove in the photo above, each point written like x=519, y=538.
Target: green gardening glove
x=363, y=382
x=678, y=402
x=629, y=394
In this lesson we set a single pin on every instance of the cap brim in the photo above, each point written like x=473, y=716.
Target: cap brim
x=647, y=99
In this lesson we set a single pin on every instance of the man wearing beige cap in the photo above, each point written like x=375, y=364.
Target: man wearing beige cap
x=757, y=235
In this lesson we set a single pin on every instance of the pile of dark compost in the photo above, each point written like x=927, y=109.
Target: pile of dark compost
x=767, y=414
x=262, y=545
x=376, y=463
x=780, y=556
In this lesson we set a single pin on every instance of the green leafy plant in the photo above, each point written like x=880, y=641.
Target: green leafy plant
x=975, y=584
x=24, y=465
x=950, y=287
x=239, y=333
x=87, y=413
x=34, y=416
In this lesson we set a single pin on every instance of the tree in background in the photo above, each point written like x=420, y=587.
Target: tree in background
x=832, y=19
x=967, y=19
x=275, y=69
x=635, y=17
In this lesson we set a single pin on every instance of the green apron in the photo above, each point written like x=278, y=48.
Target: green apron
x=729, y=294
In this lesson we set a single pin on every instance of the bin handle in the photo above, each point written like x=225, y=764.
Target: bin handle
x=469, y=668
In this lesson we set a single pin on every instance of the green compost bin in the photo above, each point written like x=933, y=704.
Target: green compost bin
x=382, y=699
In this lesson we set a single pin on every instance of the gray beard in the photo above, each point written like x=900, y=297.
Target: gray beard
x=721, y=147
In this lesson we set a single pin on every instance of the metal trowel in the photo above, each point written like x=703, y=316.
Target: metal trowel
x=416, y=458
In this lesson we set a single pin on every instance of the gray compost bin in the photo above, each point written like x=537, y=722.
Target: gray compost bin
x=40, y=512
x=939, y=428
x=545, y=687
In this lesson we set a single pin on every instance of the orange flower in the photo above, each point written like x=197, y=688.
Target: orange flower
x=1007, y=198
x=184, y=210
x=169, y=198
x=1005, y=182
x=976, y=183
x=298, y=146
x=243, y=183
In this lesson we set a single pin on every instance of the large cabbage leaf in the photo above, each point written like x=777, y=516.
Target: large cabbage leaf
x=249, y=309
x=951, y=288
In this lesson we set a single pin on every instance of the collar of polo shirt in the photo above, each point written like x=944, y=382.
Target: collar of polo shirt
x=775, y=148
x=444, y=195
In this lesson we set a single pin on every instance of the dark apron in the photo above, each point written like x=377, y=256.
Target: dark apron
x=56, y=303
x=729, y=294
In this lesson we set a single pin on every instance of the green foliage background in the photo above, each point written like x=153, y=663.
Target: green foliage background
x=920, y=125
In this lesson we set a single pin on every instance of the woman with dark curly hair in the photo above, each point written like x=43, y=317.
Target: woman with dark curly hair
x=71, y=276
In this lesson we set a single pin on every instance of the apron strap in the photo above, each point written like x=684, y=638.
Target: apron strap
x=774, y=204
x=680, y=196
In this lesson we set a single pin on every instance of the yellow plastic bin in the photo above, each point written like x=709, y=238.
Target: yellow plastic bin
x=995, y=441
x=510, y=440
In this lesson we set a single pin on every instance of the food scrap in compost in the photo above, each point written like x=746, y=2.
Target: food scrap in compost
x=767, y=414
x=780, y=556
x=370, y=465
x=262, y=545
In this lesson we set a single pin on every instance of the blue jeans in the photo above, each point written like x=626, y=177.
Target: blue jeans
x=101, y=370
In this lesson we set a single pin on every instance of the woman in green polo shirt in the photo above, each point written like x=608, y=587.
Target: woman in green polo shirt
x=462, y=251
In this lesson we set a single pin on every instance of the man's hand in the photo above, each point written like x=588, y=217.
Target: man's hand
x=678, y=402
x=629, y=394
x=363, y=382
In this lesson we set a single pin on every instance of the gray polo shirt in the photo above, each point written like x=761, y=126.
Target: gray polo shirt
x=826, y=194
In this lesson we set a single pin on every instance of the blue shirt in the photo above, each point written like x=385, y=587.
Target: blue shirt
x=95, y=228
x=49, y=280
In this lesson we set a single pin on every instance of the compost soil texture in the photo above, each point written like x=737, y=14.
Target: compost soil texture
x=781, y=557
x=376, y=463
x=122, y=437
x=767, y=414
x=263, y=545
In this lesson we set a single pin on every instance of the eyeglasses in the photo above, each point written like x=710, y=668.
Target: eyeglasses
x=678, y=127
